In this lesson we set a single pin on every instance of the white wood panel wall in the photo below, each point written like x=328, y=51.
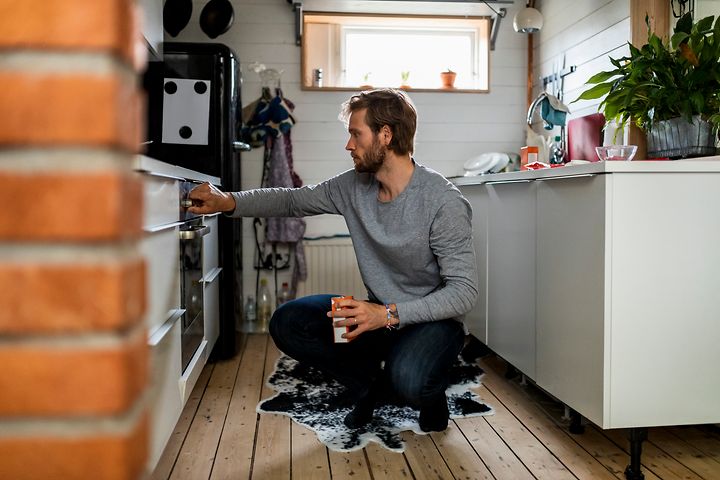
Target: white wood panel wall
x=452, y=127
x=586, y=34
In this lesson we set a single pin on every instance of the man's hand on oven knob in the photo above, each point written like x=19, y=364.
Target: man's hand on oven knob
x=207, y=199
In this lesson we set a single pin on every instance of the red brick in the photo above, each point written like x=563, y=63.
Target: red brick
x=63, y=298
x=53, y=109
x=99, y=25
x=61, y=381
x=70, y=206
x=96, y=457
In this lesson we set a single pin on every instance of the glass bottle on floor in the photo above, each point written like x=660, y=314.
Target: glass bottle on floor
x=250, y=325
x=264, y=306
x=284, y=295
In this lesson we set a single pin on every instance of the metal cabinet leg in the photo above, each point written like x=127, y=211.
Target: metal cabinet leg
x=511, y=372
x=636, y=436
x=576, y=425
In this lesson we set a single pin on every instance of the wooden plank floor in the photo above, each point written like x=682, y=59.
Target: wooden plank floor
x=219, y=436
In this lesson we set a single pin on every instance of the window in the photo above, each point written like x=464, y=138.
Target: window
x=349, y=51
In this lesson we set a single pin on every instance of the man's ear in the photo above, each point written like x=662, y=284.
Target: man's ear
x=386, y=134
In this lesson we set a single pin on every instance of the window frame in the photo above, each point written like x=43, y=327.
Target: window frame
x=480, y=46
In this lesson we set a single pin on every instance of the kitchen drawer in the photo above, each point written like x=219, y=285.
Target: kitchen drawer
x=189, y=377
x=210, y=245
x=166, y=401
x=161, y=251
x=161, y=197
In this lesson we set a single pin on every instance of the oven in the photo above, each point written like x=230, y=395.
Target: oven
x=191, y=233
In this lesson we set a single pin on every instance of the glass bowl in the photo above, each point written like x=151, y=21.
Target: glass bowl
x=616, y=152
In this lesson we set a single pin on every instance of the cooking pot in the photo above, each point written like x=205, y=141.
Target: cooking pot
x=216, y=17
x=176, y=15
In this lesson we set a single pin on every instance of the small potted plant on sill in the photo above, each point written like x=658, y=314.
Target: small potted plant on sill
x=670, y=90
x=404, y=75
x=448, y=78
x=366, y=82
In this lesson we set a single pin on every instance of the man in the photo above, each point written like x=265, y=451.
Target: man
x=411, y=231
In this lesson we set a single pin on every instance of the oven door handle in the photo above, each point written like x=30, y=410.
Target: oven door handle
x=194, y=232
x=157, y=336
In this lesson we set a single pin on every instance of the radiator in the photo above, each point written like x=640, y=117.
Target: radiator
x=331, y=268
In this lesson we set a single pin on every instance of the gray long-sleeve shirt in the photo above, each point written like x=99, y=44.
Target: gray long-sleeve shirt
x=415, y=251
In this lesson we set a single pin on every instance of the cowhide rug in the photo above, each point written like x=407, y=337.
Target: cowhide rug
x=313, y=400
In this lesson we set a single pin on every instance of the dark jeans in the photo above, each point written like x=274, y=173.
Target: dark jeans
x=417, y=357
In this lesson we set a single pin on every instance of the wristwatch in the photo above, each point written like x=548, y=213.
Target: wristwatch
x=393, y=318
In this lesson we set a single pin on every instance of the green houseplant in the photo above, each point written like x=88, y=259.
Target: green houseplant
x=664, y=87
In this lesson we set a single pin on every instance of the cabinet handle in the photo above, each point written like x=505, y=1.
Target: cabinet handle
x=194, y=232
x=578, y=175
x=163, y=329
x=241, y=147
x=210, y=277
x=500, y=182
x=160, y=228
x=163, y=175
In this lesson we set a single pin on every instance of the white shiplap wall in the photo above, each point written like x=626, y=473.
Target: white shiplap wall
x=453, y=127
x=586, y=33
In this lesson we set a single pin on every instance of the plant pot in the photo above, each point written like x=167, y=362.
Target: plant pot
x=676, y=138
x=448, y=79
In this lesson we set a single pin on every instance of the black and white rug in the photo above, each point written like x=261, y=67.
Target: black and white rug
x=311, y=399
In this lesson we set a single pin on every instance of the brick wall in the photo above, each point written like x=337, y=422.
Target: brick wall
x=73, y=350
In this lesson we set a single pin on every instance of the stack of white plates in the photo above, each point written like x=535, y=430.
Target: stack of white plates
x=491, y=162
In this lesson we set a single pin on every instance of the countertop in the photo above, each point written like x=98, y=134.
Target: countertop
x=694, y=165
x=152, y=166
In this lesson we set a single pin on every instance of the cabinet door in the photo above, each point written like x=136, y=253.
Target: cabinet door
x=210, y=245
x=160, y=249
x=211, y=307
x=511, y=273
x=165, y=396
x=665, y=322
x=476, y=319
x=571, y=286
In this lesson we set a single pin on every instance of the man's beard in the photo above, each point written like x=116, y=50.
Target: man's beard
x=373, y=159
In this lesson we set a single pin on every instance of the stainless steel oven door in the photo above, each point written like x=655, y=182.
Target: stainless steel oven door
x=191, y=299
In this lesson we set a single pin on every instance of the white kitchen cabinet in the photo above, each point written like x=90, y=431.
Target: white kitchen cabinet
x=626, y=266
x=570, y=291
x=170, y=386
x=211, y=282
x=511, y=272
x=210, y=244
x=476, y=319
x=160, y=250
x=166, y=401
x=628, y=326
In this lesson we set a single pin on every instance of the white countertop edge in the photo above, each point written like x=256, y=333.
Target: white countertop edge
x=151, y=165
x=692, y=165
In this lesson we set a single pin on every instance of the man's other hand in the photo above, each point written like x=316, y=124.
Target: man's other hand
x=361, y=314
x=207, y=199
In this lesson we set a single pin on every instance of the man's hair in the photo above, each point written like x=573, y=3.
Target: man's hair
x=386, y=106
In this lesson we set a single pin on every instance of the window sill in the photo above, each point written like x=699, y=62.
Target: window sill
x=407, y=89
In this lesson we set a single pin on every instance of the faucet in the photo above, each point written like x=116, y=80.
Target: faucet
x=531, y=111
x=534, y=105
